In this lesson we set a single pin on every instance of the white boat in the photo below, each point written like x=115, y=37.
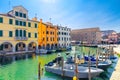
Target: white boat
x=42, y=51
x=69, y=70
x=101, y=64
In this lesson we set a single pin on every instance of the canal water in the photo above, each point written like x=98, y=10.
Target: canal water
x=27, y=69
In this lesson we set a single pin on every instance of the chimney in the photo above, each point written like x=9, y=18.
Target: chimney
x=40, y=20
x=34, y=19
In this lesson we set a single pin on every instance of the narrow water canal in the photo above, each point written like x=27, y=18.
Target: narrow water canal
x=27, y=69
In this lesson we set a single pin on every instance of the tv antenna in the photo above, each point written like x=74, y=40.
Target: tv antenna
x=9, y=4
x=36, y=15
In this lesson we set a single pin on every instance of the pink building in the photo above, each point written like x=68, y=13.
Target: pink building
x=113, y=37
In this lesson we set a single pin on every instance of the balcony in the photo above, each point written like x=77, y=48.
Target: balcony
x=21, y=38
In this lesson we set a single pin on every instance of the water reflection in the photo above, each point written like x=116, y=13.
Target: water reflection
x=28, y=69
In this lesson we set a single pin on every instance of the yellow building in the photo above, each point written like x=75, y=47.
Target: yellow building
x=17, y=32
x=47, y=35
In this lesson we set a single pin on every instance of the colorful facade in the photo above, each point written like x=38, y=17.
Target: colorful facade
x=42, y=35
x=17, y=32
x=113, y=37
x=47, y=35
x=52, y=36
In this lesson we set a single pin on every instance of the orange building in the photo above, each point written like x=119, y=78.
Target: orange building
x=41, y=35
x=47, y=35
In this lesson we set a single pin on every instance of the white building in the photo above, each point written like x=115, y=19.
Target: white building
x=64, y=39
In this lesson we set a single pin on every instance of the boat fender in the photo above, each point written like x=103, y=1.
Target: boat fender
x=74, y=78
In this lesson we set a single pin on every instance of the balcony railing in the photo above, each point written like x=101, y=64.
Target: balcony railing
x=21, y=38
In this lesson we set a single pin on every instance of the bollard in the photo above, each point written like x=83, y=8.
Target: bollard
x=39, y=71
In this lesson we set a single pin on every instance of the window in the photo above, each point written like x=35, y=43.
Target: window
x=1, y=19
x=20, y=23
x=29, y=35
x=29, y=24
x=6, y=46
x=10, y=34
x=10, y=21
x=16, y=22
x=62, y=33
x=16, y=13
x=47, y=38
x=24, y=23
x=20, y=14
x=59, y=33
x=20, y=33
x=35, y=25
x=43, y=39
x=53, y=39
x=24, y=15
x=35, y=35
x=16, y=33
x=62, y=38
x=24, y=33
x=47, y=32
x=1, y=33
x=50, y=32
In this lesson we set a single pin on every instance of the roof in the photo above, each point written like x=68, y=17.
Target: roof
x=63, y=27
x=87, y=29
x=32, y=20
x=7, y=15
x=20, y=6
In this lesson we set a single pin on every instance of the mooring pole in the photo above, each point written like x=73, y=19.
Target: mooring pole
x=39, y=67
x=63, y=68
x=76, y=67
x=89, y=66
x=97, y=58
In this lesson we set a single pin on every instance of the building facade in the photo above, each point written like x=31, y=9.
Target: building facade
x=109, y=36
x=42, y=41
x=87, y=36
x=17, y=32
x=113, y=38
x=47, y=35
x=64, y=37
x=52, y=36
x=118, y=38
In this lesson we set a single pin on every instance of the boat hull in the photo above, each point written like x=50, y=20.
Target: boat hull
x=71, y=72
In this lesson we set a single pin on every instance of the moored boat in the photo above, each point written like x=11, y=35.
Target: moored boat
x=59, y=67
x=43, y=51
x=69, y=70
x=100, y=64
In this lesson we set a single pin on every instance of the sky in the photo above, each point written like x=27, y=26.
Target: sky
x=75, y=14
